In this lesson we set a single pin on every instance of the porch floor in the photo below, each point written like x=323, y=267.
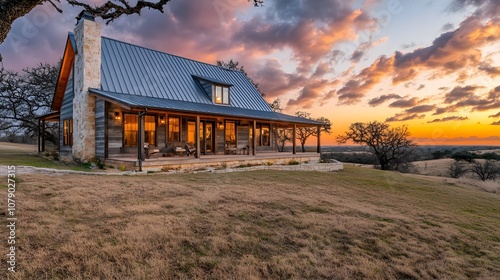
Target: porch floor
x=190, y=162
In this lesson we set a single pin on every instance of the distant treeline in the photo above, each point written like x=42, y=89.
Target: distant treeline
x=362, y=155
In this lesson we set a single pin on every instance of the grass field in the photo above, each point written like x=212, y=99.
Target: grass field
x=26, y=155
x=353, y=224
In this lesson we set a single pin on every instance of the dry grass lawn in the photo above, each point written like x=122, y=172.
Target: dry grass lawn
x=353, y=224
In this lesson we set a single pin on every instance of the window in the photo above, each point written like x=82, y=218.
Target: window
x=230, y=133
x=131, y=128
x=68, y=132
x=265, y=135
x=150, y=130
x=174, y=134
x=221, y=94
x=191, y=137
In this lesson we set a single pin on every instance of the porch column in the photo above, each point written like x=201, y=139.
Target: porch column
x=43, y=136
x=197, y=136
x=254, y=139
x=294, y=147
x=38, y=136
x=140, y=141
x=318, y=149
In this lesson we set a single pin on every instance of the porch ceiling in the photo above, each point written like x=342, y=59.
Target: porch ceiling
x=142, y=102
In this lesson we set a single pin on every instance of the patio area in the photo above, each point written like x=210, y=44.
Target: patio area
x=215, y=161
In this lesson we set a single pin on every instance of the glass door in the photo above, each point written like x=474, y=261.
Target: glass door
x=206, y=137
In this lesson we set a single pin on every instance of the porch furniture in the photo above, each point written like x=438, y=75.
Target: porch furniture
x=190, y=149
x=149, y=150
x=230, y=149
x=243, y=149
x=180, y=151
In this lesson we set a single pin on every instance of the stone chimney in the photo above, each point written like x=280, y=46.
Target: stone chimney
x=87, y=73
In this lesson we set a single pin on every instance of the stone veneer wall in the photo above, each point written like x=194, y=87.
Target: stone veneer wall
x=87, y=74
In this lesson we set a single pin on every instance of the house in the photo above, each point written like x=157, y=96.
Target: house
x=112, y=97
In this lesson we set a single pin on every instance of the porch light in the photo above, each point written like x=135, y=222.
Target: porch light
x=117, y=116
x=162, y=119
x=220, y=126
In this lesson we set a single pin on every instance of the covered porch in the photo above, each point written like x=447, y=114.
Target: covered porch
x=136, y=127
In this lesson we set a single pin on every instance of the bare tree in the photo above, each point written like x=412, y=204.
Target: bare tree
x=10, y=10
x=391, y=146
x=281, y=134
x=457, y=170
x=303, y=133
x=485, y=170
x=23, y=97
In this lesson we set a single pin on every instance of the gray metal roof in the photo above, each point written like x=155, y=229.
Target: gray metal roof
x=134, y=70
x=137, y=101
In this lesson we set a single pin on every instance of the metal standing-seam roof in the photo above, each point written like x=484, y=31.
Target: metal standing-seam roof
x=135, y=70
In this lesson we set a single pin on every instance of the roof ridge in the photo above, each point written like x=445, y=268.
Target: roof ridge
x=174, y=55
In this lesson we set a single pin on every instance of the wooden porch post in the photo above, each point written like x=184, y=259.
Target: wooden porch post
x=254, y=139
x=197, y=136
x=294, y=146
x=43, y=136
x=38, y=136
x=140, y=145
x=318, y=149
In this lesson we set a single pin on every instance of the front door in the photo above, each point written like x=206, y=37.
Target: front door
x=207, y=137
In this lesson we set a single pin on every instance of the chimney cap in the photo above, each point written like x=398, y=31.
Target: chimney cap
x=84, y=15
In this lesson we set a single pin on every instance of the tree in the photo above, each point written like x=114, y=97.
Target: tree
x=486, y=170
x=23, y=97
x=281, y=134
x=391, y=146
x=234, y=65
x=10, y=10
x=463, y=156
x=457, y=169
x=303, y=133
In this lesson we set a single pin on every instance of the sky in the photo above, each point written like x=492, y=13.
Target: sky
x=431, y=65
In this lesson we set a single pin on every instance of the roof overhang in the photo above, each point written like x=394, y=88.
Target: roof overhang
x=211, y=80
x=64, y=72
x=50, y=117
x=132, y=102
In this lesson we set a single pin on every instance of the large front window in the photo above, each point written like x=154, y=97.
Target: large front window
x=68, y=132
x=221, y=94
x=191, y=137
x=174, y=134
x=131, y=128
x=230, y=133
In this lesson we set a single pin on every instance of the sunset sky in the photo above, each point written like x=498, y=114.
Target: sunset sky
x=432, y=65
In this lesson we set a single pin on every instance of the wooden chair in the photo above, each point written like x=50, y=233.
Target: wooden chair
x=149, y=150
x=190, y=149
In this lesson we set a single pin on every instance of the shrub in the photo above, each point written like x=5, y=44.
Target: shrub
x=293, y=162
x=463, y=156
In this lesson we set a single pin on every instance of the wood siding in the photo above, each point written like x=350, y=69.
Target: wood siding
x=115, y=131
x=100, y=128
x=66, y=113
x=243, y=136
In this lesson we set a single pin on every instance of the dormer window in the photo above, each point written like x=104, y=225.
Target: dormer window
x=220, y=94
x=217, y=90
